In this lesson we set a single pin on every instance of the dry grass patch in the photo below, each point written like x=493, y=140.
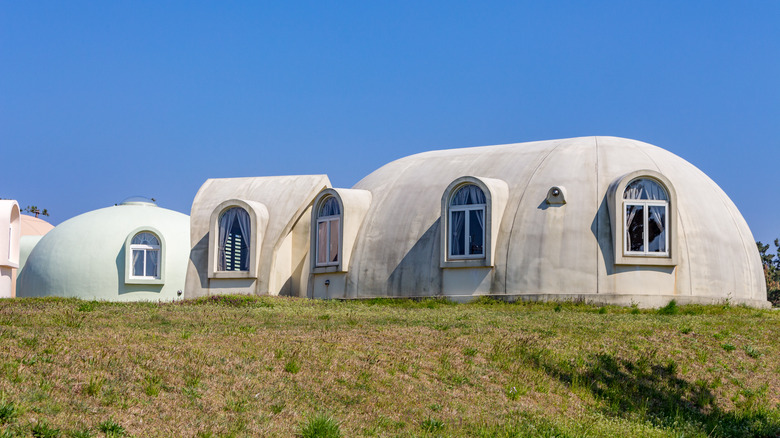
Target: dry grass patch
x=245, y=366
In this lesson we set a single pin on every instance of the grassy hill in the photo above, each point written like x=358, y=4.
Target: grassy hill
x=241, y=366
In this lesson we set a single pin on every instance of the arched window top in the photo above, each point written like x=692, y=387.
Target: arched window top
x=233, y=212
x=469, y=194
x=645, y=189
x=330, y=207
x=145, y=238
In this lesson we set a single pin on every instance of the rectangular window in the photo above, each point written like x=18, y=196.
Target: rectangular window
x=635, y=228
x=656, y=228
x=476, y=232
x=322, y=243
x=138, y=263
x=457, y=233
x=334, y=240
x=645, y=227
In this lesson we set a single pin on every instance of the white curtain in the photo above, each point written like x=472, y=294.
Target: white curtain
x=480, y=214
x=456, y=229
x=152, y=261
x=657, y=214
x=225, y=222
x=322, y=242
x=632, y=209
x=137, y=256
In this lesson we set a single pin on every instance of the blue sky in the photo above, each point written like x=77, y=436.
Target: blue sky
x=100, y=100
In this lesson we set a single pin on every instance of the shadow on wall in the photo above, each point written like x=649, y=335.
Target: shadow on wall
x=421, y=282
x=600, y=227
x=200, y=252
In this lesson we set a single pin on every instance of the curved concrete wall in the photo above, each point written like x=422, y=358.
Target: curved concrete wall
x=550, y=251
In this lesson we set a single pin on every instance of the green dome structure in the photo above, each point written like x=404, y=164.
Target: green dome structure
x=133, y=251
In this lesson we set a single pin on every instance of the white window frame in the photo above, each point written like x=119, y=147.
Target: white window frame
x=129, y=247
x=616, y=204
x=646, y=204
x=467, y=209
x=142, y=247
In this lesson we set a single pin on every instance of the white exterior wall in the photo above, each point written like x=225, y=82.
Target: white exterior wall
x=10, y=233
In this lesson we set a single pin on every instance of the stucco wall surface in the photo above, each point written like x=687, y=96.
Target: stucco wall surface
x=546, y=251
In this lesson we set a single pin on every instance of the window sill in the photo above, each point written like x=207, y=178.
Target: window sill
x=466, y=263
x=645, y=260
x=232, y=274
x=144, y=281
x=326, y=269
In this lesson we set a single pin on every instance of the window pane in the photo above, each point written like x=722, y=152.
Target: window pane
x=476, y=231
x=151, y=263
x=635, y=228
x=457, y=232
x=656, y=228
x=138, y=263
x=322, y=243
x=334, y=240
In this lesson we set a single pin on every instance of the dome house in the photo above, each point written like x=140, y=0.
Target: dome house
x=133, y=251
x=598, y=219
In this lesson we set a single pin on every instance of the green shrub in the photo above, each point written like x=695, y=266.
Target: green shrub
x=87, y=306
x=432, y=425
x=292, y=366
x=752, y=352
x=84, y=433
x=320, y=426
x=669, y=309
x=93, y=387
x=111, y=428
x=43, y=430
x=8, y=412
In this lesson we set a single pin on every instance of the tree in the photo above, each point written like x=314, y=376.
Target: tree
x=771, y=264
x=32, y=209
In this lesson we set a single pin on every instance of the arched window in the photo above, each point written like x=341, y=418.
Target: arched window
x=466, y=223
x=328, y=232
x=145, y=253
x=234, y=237
x=645, y=218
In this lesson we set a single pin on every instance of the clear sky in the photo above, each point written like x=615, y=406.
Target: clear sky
x=104, y=100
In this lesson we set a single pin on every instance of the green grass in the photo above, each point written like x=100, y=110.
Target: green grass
x=253, y=366
x=320, y=426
